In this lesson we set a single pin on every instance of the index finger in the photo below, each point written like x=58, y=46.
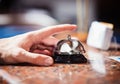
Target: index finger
x=45, y=32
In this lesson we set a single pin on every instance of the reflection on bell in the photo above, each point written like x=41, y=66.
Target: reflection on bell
x=69, y=51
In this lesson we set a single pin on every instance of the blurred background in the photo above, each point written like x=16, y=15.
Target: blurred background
x=20, y=16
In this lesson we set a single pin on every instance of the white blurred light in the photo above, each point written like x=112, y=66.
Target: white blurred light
x=37, y=17
x=10, y=79
x=97, y=62
x=5, y=19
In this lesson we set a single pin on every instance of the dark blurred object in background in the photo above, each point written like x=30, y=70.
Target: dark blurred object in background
x=5, y=5
x=108, y=11
x=19, y=16
x=25, y=12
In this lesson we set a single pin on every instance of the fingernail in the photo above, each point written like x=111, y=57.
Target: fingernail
x=48, y=61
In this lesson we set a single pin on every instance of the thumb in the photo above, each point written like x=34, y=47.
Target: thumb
x=34, y=58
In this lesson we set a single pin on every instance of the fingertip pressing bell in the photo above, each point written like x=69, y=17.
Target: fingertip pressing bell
x=69, y=51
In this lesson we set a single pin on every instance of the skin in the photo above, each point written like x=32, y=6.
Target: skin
x=22, y=48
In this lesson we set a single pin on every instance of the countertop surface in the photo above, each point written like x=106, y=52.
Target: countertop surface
x=99, y=70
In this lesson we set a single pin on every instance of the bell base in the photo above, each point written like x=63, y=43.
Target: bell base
x=66, y=58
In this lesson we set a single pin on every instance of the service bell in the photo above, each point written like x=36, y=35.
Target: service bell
x=69, y=51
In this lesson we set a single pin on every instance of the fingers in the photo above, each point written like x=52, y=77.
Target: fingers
x=34, y=58
x=50, y=41
x=40, y=46
x=45, y=32
x=45, y=52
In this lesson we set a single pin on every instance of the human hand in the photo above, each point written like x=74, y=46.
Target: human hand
x=17, y=49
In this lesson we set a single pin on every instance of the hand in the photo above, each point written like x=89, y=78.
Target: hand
x=17, y=49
